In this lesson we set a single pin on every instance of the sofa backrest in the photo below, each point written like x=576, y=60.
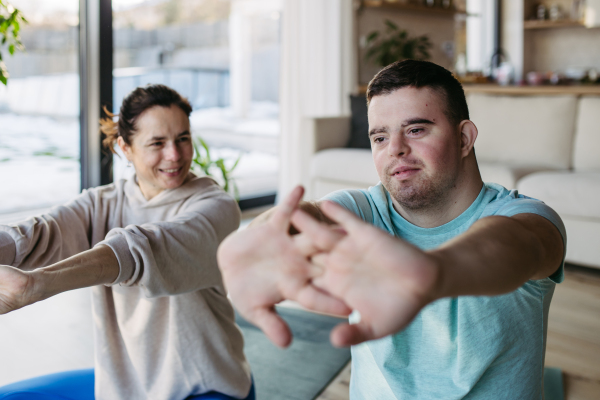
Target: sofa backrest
x=586, y=154
x=524, y=130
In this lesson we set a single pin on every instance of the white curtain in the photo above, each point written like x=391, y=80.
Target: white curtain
x=317, y=76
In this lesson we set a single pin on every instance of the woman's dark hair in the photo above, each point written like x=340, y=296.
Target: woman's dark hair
x=419, y=74
x=134, y=104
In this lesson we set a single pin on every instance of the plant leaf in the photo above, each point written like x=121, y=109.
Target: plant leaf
x=390, y=25
x=235, y=164
x=372, y=36
x=3, y=73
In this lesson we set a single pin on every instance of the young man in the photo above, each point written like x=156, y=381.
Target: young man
x=450, y=278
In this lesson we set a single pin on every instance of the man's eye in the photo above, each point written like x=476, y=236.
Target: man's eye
x=416, y=130
x=156, y=144
x=184, y=139
x=378, y=140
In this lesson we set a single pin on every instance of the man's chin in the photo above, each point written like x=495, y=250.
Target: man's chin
x=411, y=195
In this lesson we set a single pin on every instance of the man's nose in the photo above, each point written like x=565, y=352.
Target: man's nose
x=398, y=145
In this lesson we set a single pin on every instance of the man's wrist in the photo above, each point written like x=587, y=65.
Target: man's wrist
x=440, y=288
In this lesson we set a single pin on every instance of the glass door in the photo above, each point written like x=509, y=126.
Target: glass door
x=39, y=111
x=223, y=55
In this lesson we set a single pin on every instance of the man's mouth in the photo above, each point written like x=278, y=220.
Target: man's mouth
x=404, y=172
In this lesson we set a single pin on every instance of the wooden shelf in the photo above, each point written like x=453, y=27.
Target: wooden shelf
x=491, y=88
x=400, y=6
x=546, y=24
x=577, y=90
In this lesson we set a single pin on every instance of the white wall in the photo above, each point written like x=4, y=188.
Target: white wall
x=317, y=76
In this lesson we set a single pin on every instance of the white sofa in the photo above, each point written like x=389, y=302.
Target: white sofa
x=548, y=147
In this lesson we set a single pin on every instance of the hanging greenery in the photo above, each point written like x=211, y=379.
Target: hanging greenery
x=396, y=45
x=10, y=25
x=205, y=164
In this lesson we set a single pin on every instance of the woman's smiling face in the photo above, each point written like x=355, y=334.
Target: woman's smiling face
x=161, y=149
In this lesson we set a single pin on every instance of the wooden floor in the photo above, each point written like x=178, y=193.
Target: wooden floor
x=573, y=338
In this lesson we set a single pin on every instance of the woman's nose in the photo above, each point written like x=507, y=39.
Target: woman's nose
x=172, y=152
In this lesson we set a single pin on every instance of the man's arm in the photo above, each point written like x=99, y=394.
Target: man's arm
x=389, y=280
x=498, y=254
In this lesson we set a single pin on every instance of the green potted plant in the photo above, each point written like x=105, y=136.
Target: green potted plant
x=10, y=25
x=395, y=44
x=203, y=163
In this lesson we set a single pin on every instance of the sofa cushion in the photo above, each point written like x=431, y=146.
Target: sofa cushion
x=524, y=130
x=586, y=155
x=582, y=241
x=359, y=133
x=505, y=175
x=568, y=193
x=348, y=165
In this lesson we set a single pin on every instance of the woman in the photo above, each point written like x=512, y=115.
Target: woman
x=164, y=328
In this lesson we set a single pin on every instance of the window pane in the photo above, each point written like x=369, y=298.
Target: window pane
x=224, y=57
x=39, y=110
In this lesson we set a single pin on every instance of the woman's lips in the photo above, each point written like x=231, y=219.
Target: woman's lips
x=171, y=171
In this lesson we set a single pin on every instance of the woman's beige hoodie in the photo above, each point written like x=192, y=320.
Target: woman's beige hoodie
x=164, y=329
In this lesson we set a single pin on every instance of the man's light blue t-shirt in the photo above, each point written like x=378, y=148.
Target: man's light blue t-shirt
x=468, y=347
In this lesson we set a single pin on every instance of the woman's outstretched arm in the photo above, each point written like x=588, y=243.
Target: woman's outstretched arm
x=21, y=288
x=46, y=239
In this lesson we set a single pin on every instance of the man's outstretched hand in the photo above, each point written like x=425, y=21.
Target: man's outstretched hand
x=384, y=278
x=264, y=265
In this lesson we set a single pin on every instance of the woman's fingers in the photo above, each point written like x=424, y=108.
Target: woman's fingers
x=281, y=218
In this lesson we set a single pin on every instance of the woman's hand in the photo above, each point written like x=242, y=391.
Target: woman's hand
x=19, y=288
x=16, y=289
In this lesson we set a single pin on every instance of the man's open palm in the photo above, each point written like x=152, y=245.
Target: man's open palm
x=384, y=278
x=262, y=266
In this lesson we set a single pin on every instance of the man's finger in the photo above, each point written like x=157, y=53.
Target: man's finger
x=345, y=218
x=281, y=217
x=319, y=300
x=323, y=237
x=305, y=245
x=273, y=326
x=344, y=335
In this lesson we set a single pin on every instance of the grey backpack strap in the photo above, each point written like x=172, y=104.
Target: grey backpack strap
x=363, y=205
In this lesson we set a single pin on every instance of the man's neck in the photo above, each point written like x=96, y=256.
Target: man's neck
x=456, y=201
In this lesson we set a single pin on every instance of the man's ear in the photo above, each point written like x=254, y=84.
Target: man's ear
x=468, y=135
x=125, y=148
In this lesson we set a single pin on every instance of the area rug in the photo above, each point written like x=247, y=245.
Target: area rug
x=303, y=370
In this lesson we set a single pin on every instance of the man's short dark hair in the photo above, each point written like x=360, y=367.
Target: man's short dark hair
x=420, y=74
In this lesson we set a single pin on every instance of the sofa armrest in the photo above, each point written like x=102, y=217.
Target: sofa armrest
x=328, y=132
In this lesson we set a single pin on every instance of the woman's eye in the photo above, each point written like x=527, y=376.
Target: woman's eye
x=184, y=139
